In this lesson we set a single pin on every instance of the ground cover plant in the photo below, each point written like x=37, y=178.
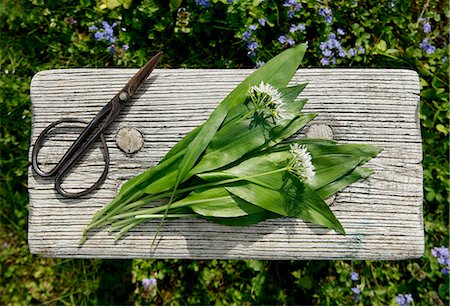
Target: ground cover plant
x=38, y=35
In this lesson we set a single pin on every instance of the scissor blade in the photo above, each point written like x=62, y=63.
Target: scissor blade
x=139, y=78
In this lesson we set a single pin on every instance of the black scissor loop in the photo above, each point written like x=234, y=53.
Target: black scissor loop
x=94, y=130
x=60, y=170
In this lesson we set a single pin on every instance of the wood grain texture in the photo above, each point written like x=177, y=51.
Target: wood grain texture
x=382, y=215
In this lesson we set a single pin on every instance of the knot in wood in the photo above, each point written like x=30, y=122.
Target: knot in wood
x=129, y=140
x=320, y=131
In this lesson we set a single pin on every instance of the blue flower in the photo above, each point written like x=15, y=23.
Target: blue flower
x=252, y=27
x=327, y=13
x=342, y=52
x=106, y=33
x=429, y=49
x=125, y=47
x=204, y=3
x=246, y=35
x=444, y=271
x=362, y=50
x=290, y=3
x=293, y=28
x=356, y=290
x=340, y=31
x=291, y=14
x=442, y=251
x=354, y=275
x=325, y=61
x=323, y=45
x=327, y=52
x=427, y=27
x=282, y=39
x=148, y=283
x=301, y=26
x=259, y=64
x=352, y=53
x=252, y=45
x=404, y=300
x=112, y=49
x=262, y=21
x=291, y=42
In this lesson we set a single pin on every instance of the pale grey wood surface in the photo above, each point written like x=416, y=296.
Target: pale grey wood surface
x=382, y=215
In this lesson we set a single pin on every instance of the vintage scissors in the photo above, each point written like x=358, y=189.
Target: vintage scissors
x=93, y=131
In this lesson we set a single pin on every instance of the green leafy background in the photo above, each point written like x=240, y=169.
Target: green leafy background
x=38, y=35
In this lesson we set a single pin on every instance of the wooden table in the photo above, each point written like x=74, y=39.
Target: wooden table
x=382, y=215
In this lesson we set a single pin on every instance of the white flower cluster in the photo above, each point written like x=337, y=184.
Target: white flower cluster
x=267, y=101
x=301, y=164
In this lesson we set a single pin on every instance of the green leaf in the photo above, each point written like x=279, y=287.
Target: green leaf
x=278, y=72
x=174, y=4
x=217, y=202
x=295, y=199
x=328, y=190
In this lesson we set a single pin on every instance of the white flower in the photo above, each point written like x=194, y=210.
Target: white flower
x=267, y=100
x=301, y=164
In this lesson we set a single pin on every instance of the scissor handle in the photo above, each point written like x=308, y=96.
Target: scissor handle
x=62, y=168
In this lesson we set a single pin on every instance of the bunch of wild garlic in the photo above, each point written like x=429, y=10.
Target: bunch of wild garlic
x=234, y=169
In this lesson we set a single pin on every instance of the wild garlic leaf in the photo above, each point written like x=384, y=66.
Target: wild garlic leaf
x=294, y=199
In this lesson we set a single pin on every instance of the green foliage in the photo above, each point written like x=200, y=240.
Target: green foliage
x=38, y=35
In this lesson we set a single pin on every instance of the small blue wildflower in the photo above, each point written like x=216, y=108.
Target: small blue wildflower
x=259, y=64
x=293, y=28
x=125, y=47
x=291, y=14
x=301, y=27
x=290, y=3
x=112, y=49
x=252, y=27
x=428, y=48
x=291, y=42
x=444, y=59
x=327, y=52
x=297, y=7
x=331, y=36
x=93, y=28
x=356, y=290
x=362, y=50
x=442, y=255
x=340, y=31
x=437, y=252
x=404, y=300
x=262, y=21
x=327, y=13
x=252, y=45
x=106, y=33
x=352, y=53
x=325, y=61
x=246, y=35
x=427, y=27
x=230, y=1
x=282, y=39
x=354, y=275
x=204, y=3
x=148, y=283
x=98, y=35
x=342, y=53
x=323, y=45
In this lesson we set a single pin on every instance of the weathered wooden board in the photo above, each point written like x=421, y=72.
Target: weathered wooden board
x=382, y=215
